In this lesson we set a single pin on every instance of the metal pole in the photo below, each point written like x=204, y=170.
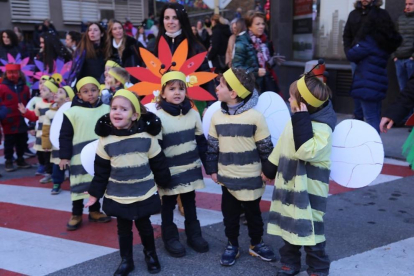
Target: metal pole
x=216, y=7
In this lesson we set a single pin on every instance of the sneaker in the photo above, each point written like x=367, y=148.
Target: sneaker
x=287, y=271
x=21, y=164
x=56, y=189
x=99, y=217
x=230, y=255
x=74, y=223
x=9, y=167
x=40, y=170
x=262, y=251
x=46, y=179
x=29, y=153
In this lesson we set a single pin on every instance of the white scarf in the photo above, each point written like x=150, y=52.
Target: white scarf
x=116, y=46
x=174, y=35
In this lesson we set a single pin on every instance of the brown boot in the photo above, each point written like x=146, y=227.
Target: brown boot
x=98, y=217
x=74, y=223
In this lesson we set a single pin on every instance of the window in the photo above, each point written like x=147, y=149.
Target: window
x=29, y=11
x=133, y=9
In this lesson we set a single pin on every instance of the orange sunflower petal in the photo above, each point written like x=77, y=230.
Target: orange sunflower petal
x=203, y=77
x=192, y=64
x=164, y=52
x=152, y=62
x=200, y=94
x=147, y=99
x=180, y=55
x=145, y=88
x=143, y=74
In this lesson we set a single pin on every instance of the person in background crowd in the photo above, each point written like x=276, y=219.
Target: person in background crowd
x=376, y=41
x=52, y=48
x=48, y=27
x=237, y=27
x=36, y=35
x=258, y=7
x=89, y=58
x=207, y=25
x=149, y=22
x=128, y=27
x=151, y=43
x=141, y=37
x=121, y=48
x=238, y=13
x=9, y=44
x=404, y=55
x=104, y=23
x=155, y=28
x=84, y=25
x=219, y=40
x=72, y=40
x=203, y=35
x=356, y=19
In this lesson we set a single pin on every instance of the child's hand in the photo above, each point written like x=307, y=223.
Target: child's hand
x=261, y=72
x=386, y=124
x=92, y=200
x=32, y=132
x=214, y=177
x=64, y=164
x=301, y=108
x=265, y=179
x=107, y=85
x=21, y=108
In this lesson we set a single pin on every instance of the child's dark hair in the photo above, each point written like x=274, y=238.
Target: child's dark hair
x=318, y=89
x=181, y=84
x=141, y=106
x=246, y=78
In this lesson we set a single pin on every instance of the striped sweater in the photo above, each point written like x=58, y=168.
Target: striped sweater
x=40, y=110
x=302, y=157
x=237, y=144
x=179, y=143
x=46, y=144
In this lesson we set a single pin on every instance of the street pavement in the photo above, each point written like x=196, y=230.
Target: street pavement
x=369, y=230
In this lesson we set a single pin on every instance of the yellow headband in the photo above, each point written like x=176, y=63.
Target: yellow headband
x=173, y=75
x=112, y=63
x=131, y=97
x=235, y=84
x=307, y=95
x=87, y=80
x=45, y=77
x=69, y=91
x=53, y=87
x=117, y=77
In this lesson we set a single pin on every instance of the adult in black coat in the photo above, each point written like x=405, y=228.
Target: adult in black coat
x=51, y=48
x=9, y=44
x=175, y=27
x=219, y=41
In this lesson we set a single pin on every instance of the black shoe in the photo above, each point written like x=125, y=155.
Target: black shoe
x=151, y=259
x=230, y=255
x=194, y=238
x=125, y=267
x=21, y=164
x=9, y=167
x=171, y=241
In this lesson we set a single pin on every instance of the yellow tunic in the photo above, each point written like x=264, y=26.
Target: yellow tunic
x=46, y=144
x=40, y=110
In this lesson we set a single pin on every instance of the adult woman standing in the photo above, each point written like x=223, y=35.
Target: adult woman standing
x=376, y=41
x=89, y=58
x=72, y=40
x=52, y=48
x=219, y=40
x=122, y=48
x=254, y=52
x=237, y=27
x=9, y=44
x=175, y=27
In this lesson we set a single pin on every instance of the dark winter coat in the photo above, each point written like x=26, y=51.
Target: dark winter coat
x=404, y=103
x=12, y=50
x=147, y=123
x=11, y=94
x=370, y=79
x=245, y=55
x=356, y=20
x=406, y=30
x=219, y=41
x=130, y=55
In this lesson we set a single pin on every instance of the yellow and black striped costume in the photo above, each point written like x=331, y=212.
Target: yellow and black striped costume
x=81, y=119
x=46, y=144
x=239, y=159
x=40, y=110
x=302, y=179
x=180, y=147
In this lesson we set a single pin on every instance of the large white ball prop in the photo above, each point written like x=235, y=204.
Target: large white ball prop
x=357, y=154
x=87, y=157
x=151, y=107
x=31, y=106
x=275, y=110
x=208, y=115
x=57, y=124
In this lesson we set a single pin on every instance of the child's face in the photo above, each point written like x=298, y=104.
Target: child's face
x=107, y=68
x=292, y=100
x=12, y=75
x=60, y=96
x=174, y=92
x=89, y=93
x=110, y=80
x=41, y=82
x=223, y=93
x=121, y=113
x=46, y=94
